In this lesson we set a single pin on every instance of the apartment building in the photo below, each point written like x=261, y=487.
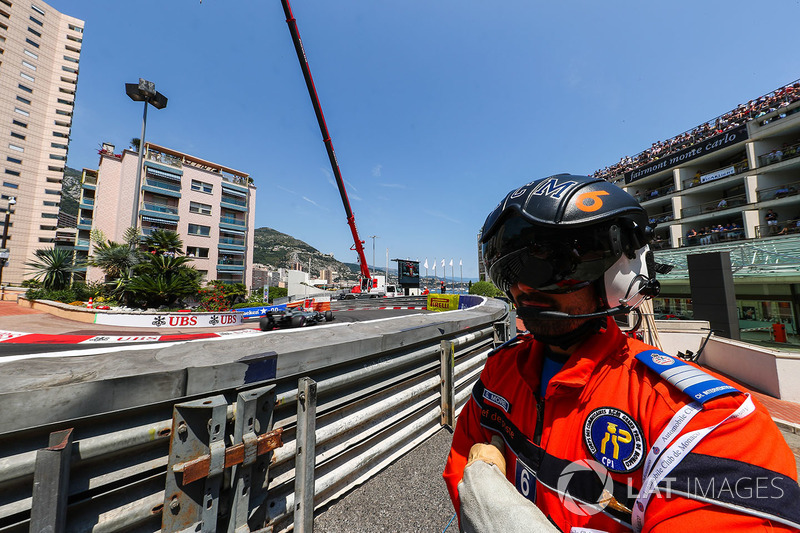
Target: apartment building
x=40, y=52
x=211, y=207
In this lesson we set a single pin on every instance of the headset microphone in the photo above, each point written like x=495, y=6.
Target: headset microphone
x=528, y=312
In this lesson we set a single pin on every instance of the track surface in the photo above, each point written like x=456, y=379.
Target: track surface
x=60, y=326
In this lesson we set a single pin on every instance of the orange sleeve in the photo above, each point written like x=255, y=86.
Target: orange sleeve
x=741, y=477
x=468, y=432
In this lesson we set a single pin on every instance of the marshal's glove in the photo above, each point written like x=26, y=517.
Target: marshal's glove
x=489, y=503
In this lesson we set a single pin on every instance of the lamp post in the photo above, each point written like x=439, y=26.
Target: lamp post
x=4, y=254
x=144, y=91
x=373, y=237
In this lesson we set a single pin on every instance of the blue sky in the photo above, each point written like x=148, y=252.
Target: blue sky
x=436, y=108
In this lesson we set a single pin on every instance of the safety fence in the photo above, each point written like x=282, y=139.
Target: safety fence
x=251, y=433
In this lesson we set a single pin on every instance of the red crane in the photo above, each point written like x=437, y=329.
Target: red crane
x=366, y=279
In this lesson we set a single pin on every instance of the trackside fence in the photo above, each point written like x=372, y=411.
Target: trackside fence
x=248, y=434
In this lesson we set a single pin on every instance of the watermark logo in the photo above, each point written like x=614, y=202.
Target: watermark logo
x=580, y=507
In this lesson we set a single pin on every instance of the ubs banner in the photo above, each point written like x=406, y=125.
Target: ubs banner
x=712, y=144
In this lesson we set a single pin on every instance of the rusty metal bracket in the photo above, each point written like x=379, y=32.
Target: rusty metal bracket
x=201, y=467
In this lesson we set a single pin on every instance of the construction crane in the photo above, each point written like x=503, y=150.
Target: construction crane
x=367, y=282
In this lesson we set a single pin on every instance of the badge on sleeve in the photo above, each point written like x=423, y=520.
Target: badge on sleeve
x=614, y=439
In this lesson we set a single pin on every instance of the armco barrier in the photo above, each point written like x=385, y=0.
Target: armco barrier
x=254, y=432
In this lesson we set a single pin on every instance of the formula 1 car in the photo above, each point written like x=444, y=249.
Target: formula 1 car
x=296, y=317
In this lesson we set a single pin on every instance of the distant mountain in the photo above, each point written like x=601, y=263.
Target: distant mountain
x=279, y=250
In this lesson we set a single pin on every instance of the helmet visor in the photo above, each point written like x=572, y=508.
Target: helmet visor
x=547, y=259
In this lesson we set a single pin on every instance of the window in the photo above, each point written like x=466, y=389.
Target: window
x=51, y=204
x=71, y=38
x=28, y=65
x=36, y=33
x=37, y=9
x=17, y=135
x=195, y=251
x=52, y=191
x=12, y=172
x=62, y=123
x=58, y=157
x=23, y=100
x=14, y=160
x=69, y=69
x=54, y=169
x=25, y=88
x=62, y=112
x=10, y=185
x=45, y=239
x=16, y=148
x=66, y=91
x=196, y=229
x=21, y=112
x=18, y=123
x=31, y=54
x=27, y=76
x=75, y=28
x=47, y=228
x=56, y=145
x=203, y=209
x=201, y=186
x=31, y=42
x=60, y=134
x=49, y=215
x=72, y=49
x=65, y=102
x=72, y=59
x=36, y=21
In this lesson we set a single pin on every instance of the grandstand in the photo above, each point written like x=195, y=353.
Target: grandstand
x=729, y=184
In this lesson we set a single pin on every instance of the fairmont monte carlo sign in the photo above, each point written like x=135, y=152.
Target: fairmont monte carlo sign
x=706, y=146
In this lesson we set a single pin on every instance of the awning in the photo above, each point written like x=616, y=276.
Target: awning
x=231, y=231
x=230, y=252
x=234, y=192
x=163, y=174
x=160, y=221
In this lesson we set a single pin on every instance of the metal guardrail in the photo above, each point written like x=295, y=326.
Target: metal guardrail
x=115, y=441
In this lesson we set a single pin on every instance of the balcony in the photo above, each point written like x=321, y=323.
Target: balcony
x=162, y=187
x=778, y=155
x=654, y=194
x=716, y=174
x=84, y=223
x=780, y=191
x=783, y=227
x=234, y=203
x=163, y=159
x=82, y=244
x=715, y=206
x=232, y=222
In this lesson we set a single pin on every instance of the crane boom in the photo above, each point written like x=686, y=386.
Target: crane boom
x=358, y=246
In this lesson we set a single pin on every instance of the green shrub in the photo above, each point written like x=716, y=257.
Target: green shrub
x=485, y=288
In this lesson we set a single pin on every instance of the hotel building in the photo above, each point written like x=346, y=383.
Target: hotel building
x=210, y=206
x=40, y=51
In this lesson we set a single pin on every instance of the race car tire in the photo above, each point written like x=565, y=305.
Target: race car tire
x=328, y=316
x=298, y=321
x=267, y=323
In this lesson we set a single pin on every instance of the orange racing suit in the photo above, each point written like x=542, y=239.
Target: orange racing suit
x=709, y=456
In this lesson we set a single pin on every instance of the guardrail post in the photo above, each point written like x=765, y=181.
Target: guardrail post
x=305, y=456
x=198, y=429
x=447, y=356
x=253, y=411
x=51, y=484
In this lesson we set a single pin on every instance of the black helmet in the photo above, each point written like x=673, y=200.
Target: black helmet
x=563, y=232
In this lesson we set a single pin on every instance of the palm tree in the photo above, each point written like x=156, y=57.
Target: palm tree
x=162, y=280
x=164, y=241
x=115, y=260
x=53, y=267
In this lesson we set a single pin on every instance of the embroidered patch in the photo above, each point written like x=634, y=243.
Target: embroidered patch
x=614, y=439
x=663, y=360
x=496, y=399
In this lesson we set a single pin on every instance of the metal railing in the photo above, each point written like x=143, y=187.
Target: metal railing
x=149, y=447
x=153, y=182
x=778, y=192
x=779, y=154
x=715, y=205
x=698, y=181
x=232, y=220
x=161, y=208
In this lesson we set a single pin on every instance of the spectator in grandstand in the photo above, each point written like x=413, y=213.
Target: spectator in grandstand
x=691, y=237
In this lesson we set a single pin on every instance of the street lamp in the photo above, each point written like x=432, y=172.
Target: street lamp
x=144, y=91
x=4, y=253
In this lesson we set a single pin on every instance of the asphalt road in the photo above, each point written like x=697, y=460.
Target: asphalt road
x=47, y=324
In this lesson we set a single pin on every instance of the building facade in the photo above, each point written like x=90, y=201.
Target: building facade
x=210, y=206
x=729, y=185
x=40, y=52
